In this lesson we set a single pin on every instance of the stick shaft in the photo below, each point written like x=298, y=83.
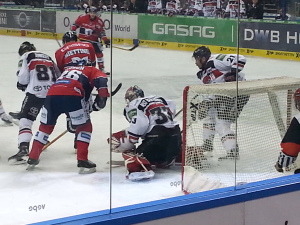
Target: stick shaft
x=54, y=140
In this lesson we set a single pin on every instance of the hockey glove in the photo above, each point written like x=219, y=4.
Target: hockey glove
x=107, y=42
x=70, y=127
x=120, y=142
x=231, y=76
x=21, y=87
x=99, y=103
x=203, y=109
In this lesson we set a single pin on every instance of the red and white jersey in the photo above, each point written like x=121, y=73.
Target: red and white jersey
x=73, y=52
x=145, y=113
x=38, y=72
x=232, y=8
x=89, y=29
x=209, y=7
x=80, y=81
x=220, y=64
x=154, y=6
x=290, y=143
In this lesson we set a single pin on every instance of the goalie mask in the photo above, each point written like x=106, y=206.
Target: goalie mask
x=297, y=99
x=26, y=47
x=202, y=51
x=133, y=93
x=69, y=36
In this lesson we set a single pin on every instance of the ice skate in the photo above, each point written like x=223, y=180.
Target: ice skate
x=6, y=119
x=21, y=156
x=86, y=166
x=32, y=163
x=207, y=146
x=232, y=155
x=15, y=115
x=278, y=168
x=104, y=71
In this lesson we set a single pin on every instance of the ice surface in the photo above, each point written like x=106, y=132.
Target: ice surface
x=55, y=189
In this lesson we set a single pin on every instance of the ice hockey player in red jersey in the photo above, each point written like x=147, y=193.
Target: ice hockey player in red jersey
x=72, y=52
x=151, y=119
x=290, y=144
x=91, y=28
x=36, y=75
x=69, y=95
x=218, y=112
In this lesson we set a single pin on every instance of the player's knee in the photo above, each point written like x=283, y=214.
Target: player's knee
x=87, y=127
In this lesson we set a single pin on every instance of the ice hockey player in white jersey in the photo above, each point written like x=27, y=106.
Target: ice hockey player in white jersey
x=151, y=119
x=218, y=112
x=4, y=117
x=37, y=73
x=290, y=144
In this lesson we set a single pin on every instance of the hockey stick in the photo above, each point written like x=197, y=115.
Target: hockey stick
x=276, y=112
x=55, y=37
x=114, y=91
x=54, y=140
x=125, y=49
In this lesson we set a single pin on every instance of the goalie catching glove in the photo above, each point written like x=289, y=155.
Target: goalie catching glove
x=120, y=142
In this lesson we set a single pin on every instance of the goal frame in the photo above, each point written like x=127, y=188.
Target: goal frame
x=233, y=89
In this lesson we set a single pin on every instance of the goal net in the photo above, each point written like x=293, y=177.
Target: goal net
x=232, y=131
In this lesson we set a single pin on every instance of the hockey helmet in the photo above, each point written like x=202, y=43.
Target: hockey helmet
x=202, y=51
x=69, y=36
x=91, y=9
x=26, y=47
x=133, y=93
x=297, y=99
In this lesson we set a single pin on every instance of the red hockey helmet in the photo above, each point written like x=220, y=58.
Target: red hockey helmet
x=297, y=99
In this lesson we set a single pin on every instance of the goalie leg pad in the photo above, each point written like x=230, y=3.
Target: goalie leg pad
x=138, y=167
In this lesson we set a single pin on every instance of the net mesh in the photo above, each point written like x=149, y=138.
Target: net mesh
x=229, y=151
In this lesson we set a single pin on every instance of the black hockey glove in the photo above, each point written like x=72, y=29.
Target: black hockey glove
x=21, y=87
x=70, y=127
x=107, y=43
x=231, y=76
x=99, y=103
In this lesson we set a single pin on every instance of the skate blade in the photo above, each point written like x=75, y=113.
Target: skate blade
x=15, y=161
x=138, y=176
x=83, y=170
x=30, y=167
x=4, y=124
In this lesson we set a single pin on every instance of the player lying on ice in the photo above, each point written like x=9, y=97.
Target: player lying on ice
x=290, y=143
x=150, y=118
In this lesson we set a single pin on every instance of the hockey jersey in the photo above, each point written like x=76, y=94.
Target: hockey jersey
x=89, y=29
x=220, y=64
x=80, y=81
x=145, y=113
x=38, y=72
x=74, y=52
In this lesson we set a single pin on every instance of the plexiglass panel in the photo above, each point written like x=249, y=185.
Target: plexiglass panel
x=163, y=94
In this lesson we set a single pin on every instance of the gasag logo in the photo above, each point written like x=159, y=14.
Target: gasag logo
x=184, y=30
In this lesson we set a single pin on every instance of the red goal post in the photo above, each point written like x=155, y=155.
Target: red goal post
x=261, y=124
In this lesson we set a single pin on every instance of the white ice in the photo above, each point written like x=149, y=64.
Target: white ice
x=55, y=185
